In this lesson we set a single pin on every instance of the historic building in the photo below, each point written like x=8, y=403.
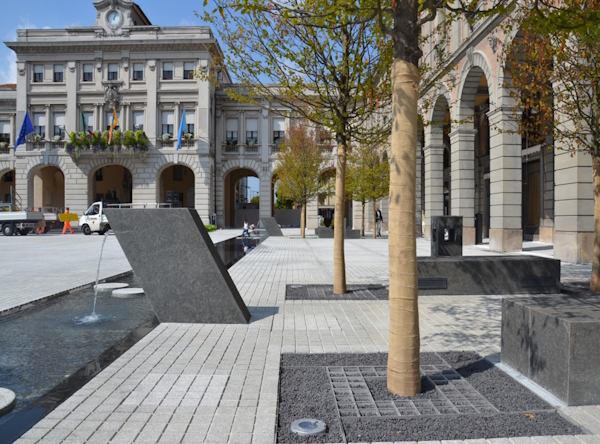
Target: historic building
x=123, y=64
x=472, y=164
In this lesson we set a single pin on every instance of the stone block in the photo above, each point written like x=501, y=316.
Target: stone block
x=270, y=225
x=480, y=275
x=554, y=341
x=178, y=265
x=327, y=233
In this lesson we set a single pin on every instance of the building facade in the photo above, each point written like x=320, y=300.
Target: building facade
x=472, y=164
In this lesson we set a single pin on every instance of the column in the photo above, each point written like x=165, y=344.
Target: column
x=312, y=214
x=434, y=176
x=266, y=204
x=49, y=123
x=574, y=207
x=506, y=233
x=152, y=104
x=418, y=190
x=13, y=129
x=72, y=114
x=462, y=143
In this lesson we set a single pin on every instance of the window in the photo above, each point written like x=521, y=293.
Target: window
x=251, y=131
x=38, y=73
x=167, y=71
x=58, y=73
x=88, y=72
x=5, y=132
x=190, y=118
x=9, y=177
x=99, y=176
x=177, y=173
x=232, y=131
x=138, y=120
x=113, y=71
x=59, y=124
x=278, y=130
x=188, y=70
x=167, y=122
x=138, y=71
x=39, y=124
x=89, y=120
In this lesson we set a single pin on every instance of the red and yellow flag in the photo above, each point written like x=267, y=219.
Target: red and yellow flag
x=114, y=124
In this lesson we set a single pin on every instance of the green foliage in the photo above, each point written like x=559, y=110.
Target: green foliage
x=368, y=174
x=283, y=204
x=332, y=70
x=210, y=227
x=299, y=165
x=256, y=200
x=128, y=139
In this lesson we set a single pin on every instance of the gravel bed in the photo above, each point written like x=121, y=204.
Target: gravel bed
x=349, y=392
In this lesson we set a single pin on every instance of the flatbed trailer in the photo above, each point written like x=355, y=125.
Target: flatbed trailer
x=22, y=222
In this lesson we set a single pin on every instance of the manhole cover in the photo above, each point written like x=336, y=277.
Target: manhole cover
x=308, y=427
x=109, y=286
x=123, y=293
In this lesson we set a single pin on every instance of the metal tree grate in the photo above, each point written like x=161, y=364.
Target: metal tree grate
x=453, y=394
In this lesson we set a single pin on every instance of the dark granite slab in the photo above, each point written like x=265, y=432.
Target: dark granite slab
x=270, y=225
x=179, y=267
x=488, y=275
x=327, y=233
x=555, y=342
x=446, y=236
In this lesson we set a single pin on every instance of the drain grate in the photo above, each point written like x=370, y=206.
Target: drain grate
x=451, y=394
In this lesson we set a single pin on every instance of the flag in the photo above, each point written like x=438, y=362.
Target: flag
x=26, y=129
x=113, y=125
x=182, y=128
x=85, y=127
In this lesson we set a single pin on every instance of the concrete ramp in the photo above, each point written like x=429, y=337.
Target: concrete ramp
x=178, y=265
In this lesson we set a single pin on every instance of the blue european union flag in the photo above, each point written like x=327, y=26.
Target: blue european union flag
x=26, y=128
x=182, y=129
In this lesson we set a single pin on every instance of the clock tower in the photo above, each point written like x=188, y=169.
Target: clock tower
x=114, y=15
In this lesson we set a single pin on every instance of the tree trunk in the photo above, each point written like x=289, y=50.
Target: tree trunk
x=363, y=220
x=339, y=262
x=403, y=376
x=303, y=220
x=374, y=219
x=595, y=282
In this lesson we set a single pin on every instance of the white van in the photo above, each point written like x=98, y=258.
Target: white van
x=94, y=220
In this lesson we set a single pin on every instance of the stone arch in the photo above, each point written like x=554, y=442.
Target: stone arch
x=469, y=80
x=185, y=159
x=125, y=192
x=34, y=169
x=437, y=108
x=181, y=188
x=251, y=164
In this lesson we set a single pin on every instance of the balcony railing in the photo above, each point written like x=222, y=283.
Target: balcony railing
x=228, y=148
x=35, y=146
x=165, y=143
x=5, y=150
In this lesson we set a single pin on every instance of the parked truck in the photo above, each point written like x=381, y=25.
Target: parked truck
x=94, y=220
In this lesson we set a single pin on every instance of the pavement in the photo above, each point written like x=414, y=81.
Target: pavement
x=193, y=383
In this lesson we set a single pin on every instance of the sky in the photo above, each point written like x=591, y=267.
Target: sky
x=64, y=13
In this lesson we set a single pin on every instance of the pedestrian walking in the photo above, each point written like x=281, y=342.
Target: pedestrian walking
x=40, y=227
x=245, y=231
x=378, y=220
x=67, y=224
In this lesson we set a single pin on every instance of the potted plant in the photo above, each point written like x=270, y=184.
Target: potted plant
x=3, y=145
x=128, y=140
x=57, y=138
x=165, y=137
x=37, y=138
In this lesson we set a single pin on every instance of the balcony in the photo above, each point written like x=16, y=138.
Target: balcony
x=39, y=145
x=240, y=150
x=5, y=149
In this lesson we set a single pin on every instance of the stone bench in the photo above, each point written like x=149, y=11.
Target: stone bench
x=555, y=342
x=478, y=275
x=327, y=233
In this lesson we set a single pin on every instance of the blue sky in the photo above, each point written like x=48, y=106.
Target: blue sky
x=63, y=13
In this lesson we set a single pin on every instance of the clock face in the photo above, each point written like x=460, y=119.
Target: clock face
x=113, y=18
